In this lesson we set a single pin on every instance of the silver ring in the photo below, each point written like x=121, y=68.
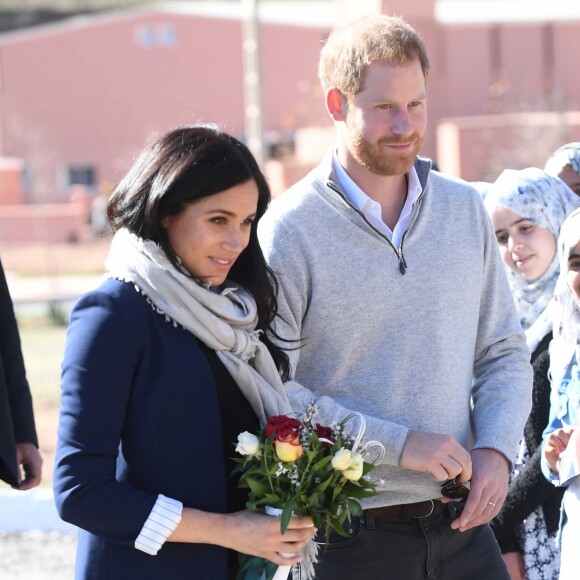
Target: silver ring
x=491, y=503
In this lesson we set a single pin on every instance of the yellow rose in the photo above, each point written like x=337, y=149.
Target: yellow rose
x=341, y=459
x=355, y=470
x=288, y=450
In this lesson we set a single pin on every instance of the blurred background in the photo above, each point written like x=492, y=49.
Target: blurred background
x=84, y=84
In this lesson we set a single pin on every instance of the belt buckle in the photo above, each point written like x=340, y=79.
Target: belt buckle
x=430, y=511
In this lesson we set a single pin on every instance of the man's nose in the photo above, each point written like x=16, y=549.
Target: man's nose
x=402, y=124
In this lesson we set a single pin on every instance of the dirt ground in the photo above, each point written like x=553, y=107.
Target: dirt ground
x=35, y=555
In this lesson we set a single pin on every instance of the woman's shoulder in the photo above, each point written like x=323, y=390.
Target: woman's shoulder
x=114, y=303
x=113, y=290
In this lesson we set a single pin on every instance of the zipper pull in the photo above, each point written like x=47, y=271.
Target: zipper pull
x=402, y=264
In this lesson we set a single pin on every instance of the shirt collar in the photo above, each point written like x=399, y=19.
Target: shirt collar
x=357, y=197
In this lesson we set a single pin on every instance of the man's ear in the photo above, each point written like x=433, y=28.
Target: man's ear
x=336, y=104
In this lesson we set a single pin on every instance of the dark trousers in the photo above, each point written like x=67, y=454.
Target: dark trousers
x=417, y=549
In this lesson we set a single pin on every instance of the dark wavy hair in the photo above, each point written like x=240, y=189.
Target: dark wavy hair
x=187, y=164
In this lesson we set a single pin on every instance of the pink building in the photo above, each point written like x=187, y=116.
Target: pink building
x=79, y=98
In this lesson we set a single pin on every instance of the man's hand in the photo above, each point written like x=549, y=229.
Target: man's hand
x=29, y=457
x=515, y=565
x=440, y=455
x=488, y=489
x=555, y=445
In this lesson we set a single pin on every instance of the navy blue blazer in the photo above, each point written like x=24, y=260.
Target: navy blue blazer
x=16, y=415
x=139, y=416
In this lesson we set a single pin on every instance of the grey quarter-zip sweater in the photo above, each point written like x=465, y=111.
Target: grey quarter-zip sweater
x=425, y=337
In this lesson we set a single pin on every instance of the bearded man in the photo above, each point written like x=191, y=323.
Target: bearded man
x=392, y=287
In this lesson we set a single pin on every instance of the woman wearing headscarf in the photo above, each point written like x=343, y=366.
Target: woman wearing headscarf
x=565, y=164
x=565, y=376
x=527, y=209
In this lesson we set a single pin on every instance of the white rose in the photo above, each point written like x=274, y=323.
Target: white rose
x=355, y=470
x=248, y=444
x=341, y=459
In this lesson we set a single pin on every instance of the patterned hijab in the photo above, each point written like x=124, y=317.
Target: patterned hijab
x=566, y=309
x=545, y=201
x=568, y=154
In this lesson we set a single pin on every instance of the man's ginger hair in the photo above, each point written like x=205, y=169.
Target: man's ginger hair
x=350, y=49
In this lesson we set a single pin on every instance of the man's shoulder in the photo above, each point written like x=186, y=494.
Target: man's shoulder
x=300, y=197
x=452, y=185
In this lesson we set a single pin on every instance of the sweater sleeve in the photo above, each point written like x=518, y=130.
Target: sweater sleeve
x=291, y=268
x=101, y=355
x=502, y=385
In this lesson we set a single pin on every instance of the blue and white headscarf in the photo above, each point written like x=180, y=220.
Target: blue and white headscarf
x=546, y=201
x=568, y=154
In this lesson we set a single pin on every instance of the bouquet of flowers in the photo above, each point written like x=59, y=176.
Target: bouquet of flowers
x=301, y=467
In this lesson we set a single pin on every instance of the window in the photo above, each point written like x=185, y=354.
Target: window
x=81, y=175
x=158, y=35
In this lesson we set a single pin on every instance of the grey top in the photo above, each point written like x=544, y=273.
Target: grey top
x=437, y=349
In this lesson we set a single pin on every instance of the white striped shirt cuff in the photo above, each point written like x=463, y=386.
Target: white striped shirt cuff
x=161, y=523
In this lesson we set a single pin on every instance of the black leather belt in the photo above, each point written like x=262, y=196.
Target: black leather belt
x=406, y=511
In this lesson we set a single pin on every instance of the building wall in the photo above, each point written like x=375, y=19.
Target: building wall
x=91, y=92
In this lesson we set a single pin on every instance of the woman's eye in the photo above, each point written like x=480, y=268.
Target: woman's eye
x=502, y=239
x=526, y=228
x=218, y=220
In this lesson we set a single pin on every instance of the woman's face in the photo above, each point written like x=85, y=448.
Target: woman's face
x=573, y=275
x=211, y=233
x=526, y=248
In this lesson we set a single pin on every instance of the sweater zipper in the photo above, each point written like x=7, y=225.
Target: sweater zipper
x=398, y=251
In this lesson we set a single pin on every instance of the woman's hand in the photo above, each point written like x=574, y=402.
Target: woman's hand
x=260, y=535
x=246, y=532
x=555, y=445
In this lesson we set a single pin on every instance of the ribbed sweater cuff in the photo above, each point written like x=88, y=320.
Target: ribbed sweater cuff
x=161, y=523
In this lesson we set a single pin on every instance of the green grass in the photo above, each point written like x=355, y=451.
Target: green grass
x=43, y=348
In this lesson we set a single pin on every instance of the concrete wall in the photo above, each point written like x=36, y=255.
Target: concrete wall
x=480, y=148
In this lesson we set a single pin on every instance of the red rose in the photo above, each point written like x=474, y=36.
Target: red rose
x=325, y=433
x=281, y=423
